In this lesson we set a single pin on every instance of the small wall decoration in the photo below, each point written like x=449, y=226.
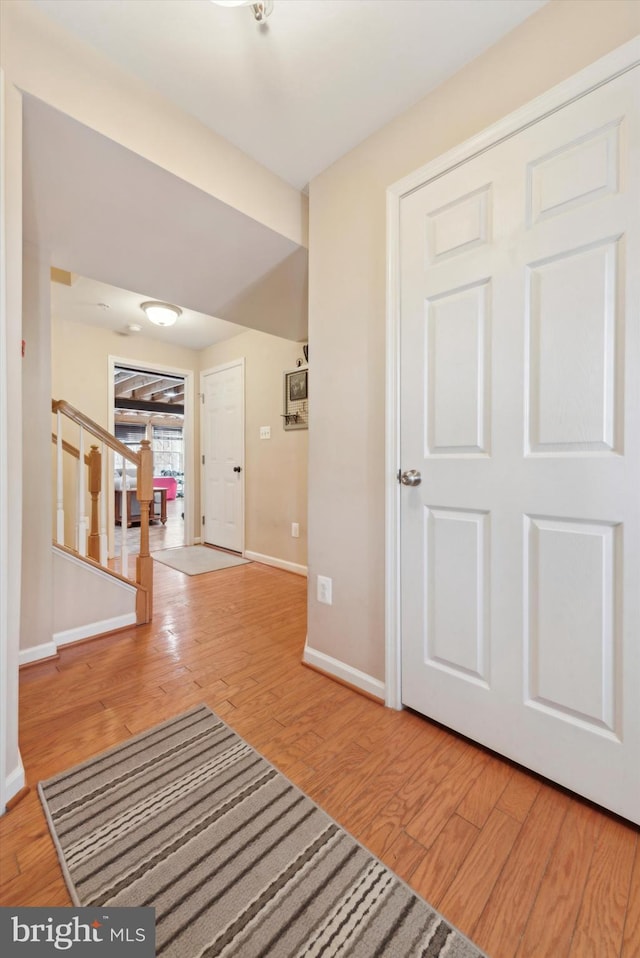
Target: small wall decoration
x=296, y=399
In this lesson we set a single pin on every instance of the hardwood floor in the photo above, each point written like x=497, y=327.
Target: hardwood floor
x=521, y=867
x=165, y=536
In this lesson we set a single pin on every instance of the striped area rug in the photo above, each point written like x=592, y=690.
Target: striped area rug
x=189, y=819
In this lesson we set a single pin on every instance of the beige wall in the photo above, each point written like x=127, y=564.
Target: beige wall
x=347, y=303
x=275, y=469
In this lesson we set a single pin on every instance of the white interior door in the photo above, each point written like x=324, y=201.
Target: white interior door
x=520, y=405
x=223, y=451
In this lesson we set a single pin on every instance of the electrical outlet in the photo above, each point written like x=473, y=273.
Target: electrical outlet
x=324, y=589
x=295, y=530
x=265, y=432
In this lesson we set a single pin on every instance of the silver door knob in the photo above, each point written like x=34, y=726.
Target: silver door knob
x=411, y=478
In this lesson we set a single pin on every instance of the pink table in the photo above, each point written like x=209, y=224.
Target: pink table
x=166, y=482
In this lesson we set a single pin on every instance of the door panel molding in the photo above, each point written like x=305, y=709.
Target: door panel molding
x=587, y=690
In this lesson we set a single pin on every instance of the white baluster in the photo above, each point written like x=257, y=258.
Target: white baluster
x=59, y=483
x=83, y=524
x=104, y=452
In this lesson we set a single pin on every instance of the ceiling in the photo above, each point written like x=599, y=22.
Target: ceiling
x=295, y=94
x=100, y=304
x=299, y=91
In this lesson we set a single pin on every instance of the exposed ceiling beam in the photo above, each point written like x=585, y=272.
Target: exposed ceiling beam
x=146, y=406
x=155, y=387
x=122, y=375
x=171, y=394
x=137, y=381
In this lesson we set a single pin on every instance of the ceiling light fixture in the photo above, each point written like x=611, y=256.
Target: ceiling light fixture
x=161, y=314
x=261, y=10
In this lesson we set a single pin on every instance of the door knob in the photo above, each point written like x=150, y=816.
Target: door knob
x=411, y=478
x=237, y=468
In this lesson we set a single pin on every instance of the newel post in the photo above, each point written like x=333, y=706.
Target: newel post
x=94, y=462
x=144, y=562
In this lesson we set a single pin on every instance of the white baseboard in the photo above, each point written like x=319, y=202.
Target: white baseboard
x=278, y=563
x=94, y=628
x=197, y=541
x=48, y=649
x=38, y=652
x=340, y=670
x=15, y=781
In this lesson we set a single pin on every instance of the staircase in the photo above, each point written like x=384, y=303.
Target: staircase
x=84, y=492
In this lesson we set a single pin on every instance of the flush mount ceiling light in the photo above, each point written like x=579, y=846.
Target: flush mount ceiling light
x=161, y=314
x=261, y=10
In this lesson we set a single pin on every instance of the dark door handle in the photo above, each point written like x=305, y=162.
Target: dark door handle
x=237, y=468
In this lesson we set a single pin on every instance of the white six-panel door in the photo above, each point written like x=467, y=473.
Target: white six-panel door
x=520, y=405
x=223, y=450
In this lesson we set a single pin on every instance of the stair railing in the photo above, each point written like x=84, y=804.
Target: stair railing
x=91, y=479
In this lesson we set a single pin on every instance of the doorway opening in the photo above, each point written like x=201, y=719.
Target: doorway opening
x=155, y=403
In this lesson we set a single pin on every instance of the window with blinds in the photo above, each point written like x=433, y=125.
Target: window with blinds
x=168, y=450
x=131, y=434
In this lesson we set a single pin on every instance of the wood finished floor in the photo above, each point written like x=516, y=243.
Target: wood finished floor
x=519, y=866
x=166, y=536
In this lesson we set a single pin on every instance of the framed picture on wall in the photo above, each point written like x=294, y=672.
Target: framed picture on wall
x=296, y=399
x=297, y=385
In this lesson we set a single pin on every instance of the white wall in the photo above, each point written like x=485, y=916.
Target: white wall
x=11, y=770
x=347, y=272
